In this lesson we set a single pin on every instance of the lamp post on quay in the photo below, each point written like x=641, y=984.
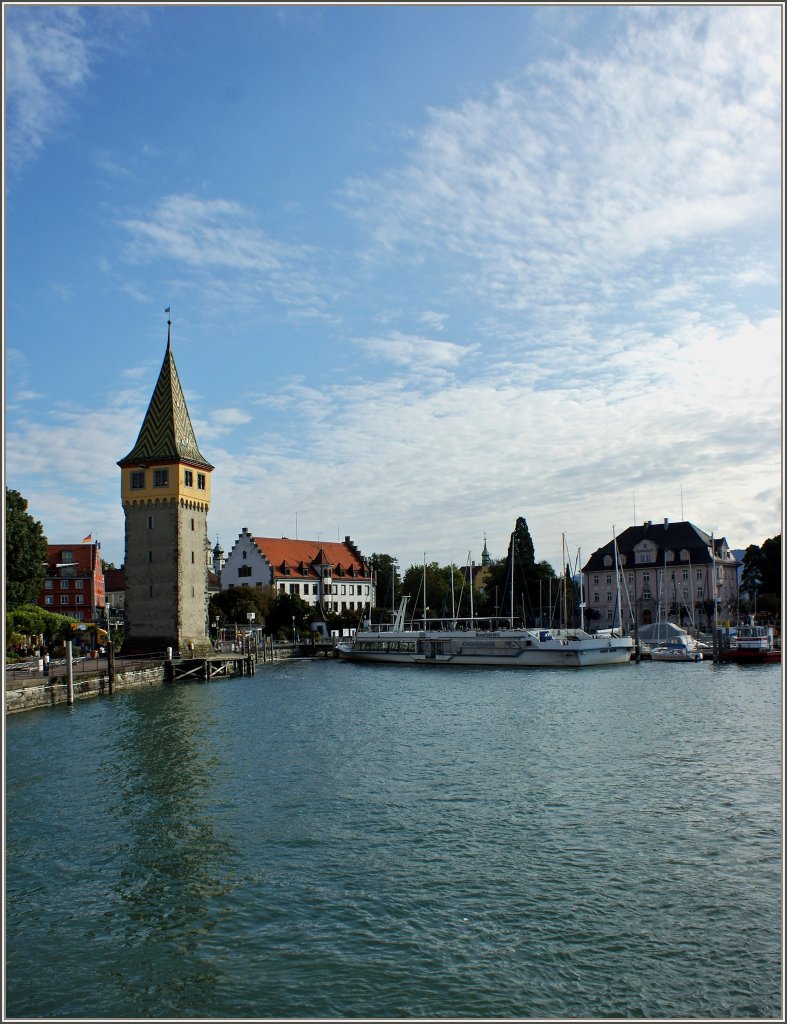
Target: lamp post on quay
x=110, y=648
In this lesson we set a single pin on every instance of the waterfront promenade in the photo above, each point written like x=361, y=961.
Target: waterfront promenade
x=29, y=686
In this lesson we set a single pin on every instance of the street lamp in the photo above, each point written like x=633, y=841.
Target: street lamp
x=293, y=630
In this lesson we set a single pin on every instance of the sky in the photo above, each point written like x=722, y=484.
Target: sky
x=430, y=267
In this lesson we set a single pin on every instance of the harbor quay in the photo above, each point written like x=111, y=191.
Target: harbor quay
x=28, y=687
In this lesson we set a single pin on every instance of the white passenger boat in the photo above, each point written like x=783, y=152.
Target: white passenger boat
x=508, y=648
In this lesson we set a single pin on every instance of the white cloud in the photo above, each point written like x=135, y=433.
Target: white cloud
x=561, y=183
x=439, y=467
x=204, y=232
x=52, y=52
x=220, y=238
x=230, y=417
x=48, y=61
x=415, y=352
x=434, y=321
x=220, y=422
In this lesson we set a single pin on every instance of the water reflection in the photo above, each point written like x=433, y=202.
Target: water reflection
x=175, y=867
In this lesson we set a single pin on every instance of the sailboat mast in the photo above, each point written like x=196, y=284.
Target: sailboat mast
x=565, y=585
x=617, y=581
x=470, y=563
x=513, y=549
x=453, y=601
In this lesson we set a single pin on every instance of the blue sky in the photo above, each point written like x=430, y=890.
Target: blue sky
x=431, y=268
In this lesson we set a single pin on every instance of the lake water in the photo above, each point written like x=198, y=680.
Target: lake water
x=334, y=840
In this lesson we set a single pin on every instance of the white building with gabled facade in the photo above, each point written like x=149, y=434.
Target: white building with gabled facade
x=331, y=576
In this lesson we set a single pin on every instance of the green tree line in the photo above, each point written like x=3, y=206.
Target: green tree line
x=761, y=578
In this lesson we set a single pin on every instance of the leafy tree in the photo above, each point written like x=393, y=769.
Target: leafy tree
x=751, y=577
x=438, y=590
x=25, y=552
x=283, y=609
x=761, y=578
x=234, y=604
x=31, y=621
x=388, y=584
x=772, y=566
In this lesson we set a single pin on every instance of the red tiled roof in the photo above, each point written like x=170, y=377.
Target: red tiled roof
x=279, y=551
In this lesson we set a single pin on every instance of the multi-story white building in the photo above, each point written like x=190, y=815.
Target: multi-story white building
x=668, y=572
x=331, y=576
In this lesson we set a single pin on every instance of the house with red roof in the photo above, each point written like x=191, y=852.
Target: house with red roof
x=332, y=576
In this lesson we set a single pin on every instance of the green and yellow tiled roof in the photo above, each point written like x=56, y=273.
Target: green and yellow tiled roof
x=166, y=433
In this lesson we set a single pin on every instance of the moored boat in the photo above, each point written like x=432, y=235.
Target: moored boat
x=680, y=648
x=467, y=647
x=752, y=645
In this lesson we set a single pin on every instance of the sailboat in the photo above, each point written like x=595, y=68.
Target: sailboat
x=681, y=647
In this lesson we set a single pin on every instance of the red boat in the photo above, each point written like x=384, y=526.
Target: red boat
x=753, y=645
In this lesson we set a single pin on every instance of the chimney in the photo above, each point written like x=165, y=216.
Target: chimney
x=666, y=522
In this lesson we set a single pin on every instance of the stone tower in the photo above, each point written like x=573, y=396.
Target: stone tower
x=165, y=489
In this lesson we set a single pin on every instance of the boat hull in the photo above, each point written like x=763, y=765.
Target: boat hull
x=503, y=650
x=676, y=656
x=751, y=657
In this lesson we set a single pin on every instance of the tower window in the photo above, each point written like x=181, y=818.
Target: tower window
x=201, y=481
x=192, y=558
x=161, y=478
x=188, y=478
x=137, y=481
x=150, y=556
x=150, y=522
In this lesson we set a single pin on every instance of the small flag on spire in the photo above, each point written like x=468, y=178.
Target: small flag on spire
x=167, y=310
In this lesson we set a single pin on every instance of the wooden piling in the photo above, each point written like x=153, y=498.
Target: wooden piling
x=69, y=672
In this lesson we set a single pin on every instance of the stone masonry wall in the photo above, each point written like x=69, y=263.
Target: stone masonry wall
x=47, y=694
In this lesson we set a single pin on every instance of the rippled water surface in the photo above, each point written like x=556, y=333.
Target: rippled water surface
x=332, y=840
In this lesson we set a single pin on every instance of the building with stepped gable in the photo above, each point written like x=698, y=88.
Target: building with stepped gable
x=334, y=577
x=165, y=489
